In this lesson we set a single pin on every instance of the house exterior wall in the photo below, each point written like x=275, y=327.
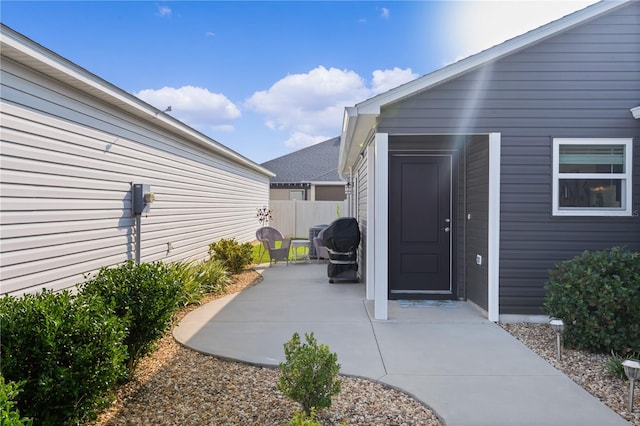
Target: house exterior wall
x=578, y=84
x=279, y=194
x=330, y=193
x=68, y=160
x=476, y=218
x=316, y=193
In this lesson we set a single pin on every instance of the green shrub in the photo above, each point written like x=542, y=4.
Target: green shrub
x=232, y=254
x=67, y=349
x=144, y=297
x=597, y=295
x=308, y=375
x=9, y=415
x=301, y=419
x=199, y=279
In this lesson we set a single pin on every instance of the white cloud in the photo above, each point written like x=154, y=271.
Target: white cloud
x=385, y=13
x=310, y=106
x=300, y=140
x=164, y=11
x=209, y=34
x=195, y=106
x=472, y=26
x=384, y=80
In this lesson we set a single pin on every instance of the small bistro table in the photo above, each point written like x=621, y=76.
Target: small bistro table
x=297, y=244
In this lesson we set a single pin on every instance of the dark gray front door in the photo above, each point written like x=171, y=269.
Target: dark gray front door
x=420, y=226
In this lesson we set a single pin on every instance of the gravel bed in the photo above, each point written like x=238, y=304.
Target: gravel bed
x=178, y=386
x=591, y=374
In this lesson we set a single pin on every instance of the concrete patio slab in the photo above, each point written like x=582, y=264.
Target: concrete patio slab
x=469, y=370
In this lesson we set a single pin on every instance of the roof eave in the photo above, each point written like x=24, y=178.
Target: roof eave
x=356, y=126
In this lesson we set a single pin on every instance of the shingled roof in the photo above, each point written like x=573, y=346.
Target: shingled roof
x=316, y=163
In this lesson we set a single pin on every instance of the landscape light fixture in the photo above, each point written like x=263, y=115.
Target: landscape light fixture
x=557, y=325
x=632, y=370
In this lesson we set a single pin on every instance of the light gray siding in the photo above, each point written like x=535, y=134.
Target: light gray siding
x=67, y=163
x=581, y=84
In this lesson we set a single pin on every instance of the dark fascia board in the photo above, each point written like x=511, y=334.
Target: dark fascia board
x=360, y=120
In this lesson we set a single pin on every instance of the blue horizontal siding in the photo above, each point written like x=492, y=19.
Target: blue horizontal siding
x=581, y=83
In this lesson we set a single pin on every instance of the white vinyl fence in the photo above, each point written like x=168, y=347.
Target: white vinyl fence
x=294, y=217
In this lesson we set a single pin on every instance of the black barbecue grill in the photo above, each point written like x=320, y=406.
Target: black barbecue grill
x=342, y=238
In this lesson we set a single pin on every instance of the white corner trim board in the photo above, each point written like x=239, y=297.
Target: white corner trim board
x=495, y=142
x=381, y=232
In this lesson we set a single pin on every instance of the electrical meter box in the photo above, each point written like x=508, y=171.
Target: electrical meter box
x=142, y=197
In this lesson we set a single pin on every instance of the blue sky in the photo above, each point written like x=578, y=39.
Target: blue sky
x=267, y=78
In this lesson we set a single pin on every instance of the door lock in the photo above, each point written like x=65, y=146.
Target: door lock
x=446, y=229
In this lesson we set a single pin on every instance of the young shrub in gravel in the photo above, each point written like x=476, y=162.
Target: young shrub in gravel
x=301, y=419
x=9, y=415
x=309, y=373
x=232, y=254
x=68, y=350
x=144, y=297
x=597, y=295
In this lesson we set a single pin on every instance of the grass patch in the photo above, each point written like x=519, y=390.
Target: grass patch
x=260, y=255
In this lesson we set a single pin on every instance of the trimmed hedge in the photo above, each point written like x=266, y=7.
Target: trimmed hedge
x=597, y=295
x=68, y=350
x=144, y=297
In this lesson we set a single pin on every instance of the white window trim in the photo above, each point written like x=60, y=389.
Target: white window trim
x=626, y=176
